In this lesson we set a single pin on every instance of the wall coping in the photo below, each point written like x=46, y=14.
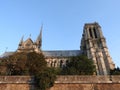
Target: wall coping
x=87, y=79
x=16, y=79
x=70, y=79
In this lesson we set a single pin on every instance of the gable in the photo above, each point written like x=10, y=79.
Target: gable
x=28, y=43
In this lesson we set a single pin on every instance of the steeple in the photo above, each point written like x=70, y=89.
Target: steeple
x=21, y=41
x=39, y=39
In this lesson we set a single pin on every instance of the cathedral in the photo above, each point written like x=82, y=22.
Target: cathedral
x=93, y=45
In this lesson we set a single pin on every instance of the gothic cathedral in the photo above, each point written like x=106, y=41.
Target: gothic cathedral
x=93, y=45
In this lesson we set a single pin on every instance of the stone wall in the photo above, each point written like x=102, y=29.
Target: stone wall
x=63, y=83
x=97, y=86
x=16, y=83
x=87, y=83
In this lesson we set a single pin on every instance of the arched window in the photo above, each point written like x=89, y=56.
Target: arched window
x=67, y=61
x=55, y=63
x=90, y=31
x=51, y=64
x=95, y=32
x=61, y=63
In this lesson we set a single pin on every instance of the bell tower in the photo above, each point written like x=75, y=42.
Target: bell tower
x=93, y=45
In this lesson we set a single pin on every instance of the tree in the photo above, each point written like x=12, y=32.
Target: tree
x=31, y=63
x=45, y=79
x=21, y=63
x=36, y=63
x=79, y=65
x=115, y=71
x=3, y=67
x=16, y=64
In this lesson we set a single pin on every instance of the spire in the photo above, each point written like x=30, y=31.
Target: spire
x=39, y=39
x=41, y=33
x=21, y=40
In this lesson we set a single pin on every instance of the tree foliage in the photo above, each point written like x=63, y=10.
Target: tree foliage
x=46, y=78
x=116, y=71
x=79, y=65
x=29, y=64
x=36, y=63
x=24, y=63
x=16, y=64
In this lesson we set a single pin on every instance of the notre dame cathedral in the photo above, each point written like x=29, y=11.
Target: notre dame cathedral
x=93, y=45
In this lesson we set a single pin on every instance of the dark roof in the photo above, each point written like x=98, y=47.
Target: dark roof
x=61, y=53
x=55, y=53
x=5, y=54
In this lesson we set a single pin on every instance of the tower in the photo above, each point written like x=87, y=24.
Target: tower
x=93, y=44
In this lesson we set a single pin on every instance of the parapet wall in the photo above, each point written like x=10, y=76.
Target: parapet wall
x=16, y=83
x=87, y=83
x=88, y=79
x=63, y=83
x=16, y=79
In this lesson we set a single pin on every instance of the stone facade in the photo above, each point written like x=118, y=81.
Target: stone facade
x=93, y=45
x=59, y=58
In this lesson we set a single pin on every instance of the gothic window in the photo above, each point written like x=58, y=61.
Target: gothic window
x=90, y=32
x=54, y=63
x=61, y=63
x=51, y=64
x=67, y=61
x=95, y=32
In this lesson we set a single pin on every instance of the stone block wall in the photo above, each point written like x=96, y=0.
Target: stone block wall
x=87, y=86
x=16, y=83
x=63, y=83
x=87, y=83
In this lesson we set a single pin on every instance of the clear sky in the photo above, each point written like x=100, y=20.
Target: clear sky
x=63, y=22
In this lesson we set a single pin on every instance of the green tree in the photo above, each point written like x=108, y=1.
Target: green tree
x=30, y=64
x=24, y=63
x=36, y=63
x=115, y=71
x=16, y=64
x=79, y=65
x=45, y=79
x=3, y=68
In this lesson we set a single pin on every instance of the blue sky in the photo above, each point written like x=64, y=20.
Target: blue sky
x=62, y=20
